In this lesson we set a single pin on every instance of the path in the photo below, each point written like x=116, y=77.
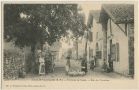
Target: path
x=59, y=73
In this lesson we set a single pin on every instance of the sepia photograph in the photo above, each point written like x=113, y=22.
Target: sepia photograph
x=68, y=42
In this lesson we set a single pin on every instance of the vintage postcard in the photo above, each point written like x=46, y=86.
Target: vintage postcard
x=69, y=45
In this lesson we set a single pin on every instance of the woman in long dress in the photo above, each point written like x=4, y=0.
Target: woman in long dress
x=68, y=61
x=42, y=66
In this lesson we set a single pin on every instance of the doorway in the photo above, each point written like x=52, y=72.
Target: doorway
x=110, y=61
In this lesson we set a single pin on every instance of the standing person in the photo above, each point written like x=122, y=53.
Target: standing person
x=84, y=65
x=110, y=63
x=42, y=66
x=47, y=63
x=37, y=64
x=92, y=63
x=105, y=65
x=68, y=65
x=95, y=61
x=68, y=61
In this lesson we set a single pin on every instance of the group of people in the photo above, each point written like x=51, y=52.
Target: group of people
x=83, y=63
x=108, y=67
x=45, y=61
x=92, y=62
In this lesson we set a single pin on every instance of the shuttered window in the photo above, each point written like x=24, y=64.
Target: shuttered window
x=113, y=52
x=117, y=52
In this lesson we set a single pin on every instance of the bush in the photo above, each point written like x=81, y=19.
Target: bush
x=13, y=62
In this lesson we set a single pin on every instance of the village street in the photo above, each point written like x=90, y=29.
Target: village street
x=59, y=74
x=86, y=45
x=62, y=42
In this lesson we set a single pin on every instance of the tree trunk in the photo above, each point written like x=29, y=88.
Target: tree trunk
x=34, y=67
x=85, y=56
x=33, y=49
x=77, y=48
x=86, y=48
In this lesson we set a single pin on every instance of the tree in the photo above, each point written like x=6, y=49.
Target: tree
x=79, y=27
x=31, y=29
x=29, y=24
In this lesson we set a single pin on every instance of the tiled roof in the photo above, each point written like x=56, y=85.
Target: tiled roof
x=120, y=13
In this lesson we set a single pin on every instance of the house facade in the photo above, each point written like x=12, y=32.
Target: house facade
x=113, y=37
x=96, y=43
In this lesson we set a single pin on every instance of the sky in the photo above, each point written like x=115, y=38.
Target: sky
x=86, y=7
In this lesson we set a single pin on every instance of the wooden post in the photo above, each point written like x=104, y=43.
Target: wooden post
x=131, y=48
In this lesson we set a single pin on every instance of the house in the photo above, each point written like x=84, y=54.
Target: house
x=96, y=37
x=112, y=38
x=117, y=22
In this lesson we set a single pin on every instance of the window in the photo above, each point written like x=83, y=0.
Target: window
x=90, y=36
x=115, y=52
x=91, y=52
x=97, y=47
x=99, y=54
x=97, y=35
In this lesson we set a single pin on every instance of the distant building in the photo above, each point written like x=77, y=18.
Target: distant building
x=96, y=41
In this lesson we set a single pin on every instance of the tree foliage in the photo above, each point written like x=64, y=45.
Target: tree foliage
x=39, y=22
x=29, y=24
